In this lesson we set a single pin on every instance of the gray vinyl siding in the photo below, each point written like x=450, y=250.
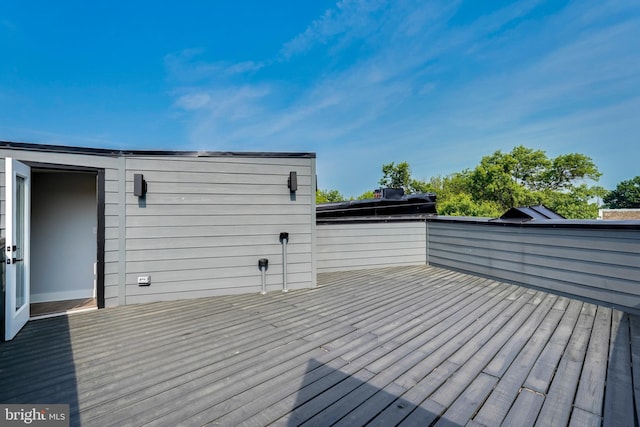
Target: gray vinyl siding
x=206, y=221
x=594, y=263
x=203, y=224
x=354, y=246
x=109, y=164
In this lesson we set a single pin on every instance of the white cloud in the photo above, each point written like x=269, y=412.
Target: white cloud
x=399, y=83
x=348, y=19
x=187, y=66
x=193, y=101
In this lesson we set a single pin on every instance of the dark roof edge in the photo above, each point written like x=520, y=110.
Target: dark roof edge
x=561, y=223
x=551, y=223
x=374, y=219
x=118, y=153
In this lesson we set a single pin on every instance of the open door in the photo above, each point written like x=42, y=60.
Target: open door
x=18, y=210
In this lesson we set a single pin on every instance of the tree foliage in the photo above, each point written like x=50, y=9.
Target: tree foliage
x=366, y=195
x=399, y=176
x=500, y=181
x=464, y=205
x=525, y=177
x=579, y=203
x=328, y=196
x=396, y=176
x=626, y=195
x=566, y=170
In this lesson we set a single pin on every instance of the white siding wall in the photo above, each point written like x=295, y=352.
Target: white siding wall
x=353, y=246
x=595, y=263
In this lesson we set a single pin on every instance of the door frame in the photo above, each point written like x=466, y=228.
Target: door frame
x=100, y=237
x=16, y=318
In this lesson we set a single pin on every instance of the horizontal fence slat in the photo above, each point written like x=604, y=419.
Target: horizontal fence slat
x=602, y=265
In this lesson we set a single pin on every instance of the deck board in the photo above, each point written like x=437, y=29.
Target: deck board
x=502, y=397
x=590, y=393
x=390, y=346
x=618, y=405
x=557, y=406
x=525, y=410
x=634, y=323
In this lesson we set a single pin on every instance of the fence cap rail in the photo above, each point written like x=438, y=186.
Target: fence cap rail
x=544, y=223
x=491, y=222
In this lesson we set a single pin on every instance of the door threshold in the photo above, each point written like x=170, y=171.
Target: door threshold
x=44, y=310
x=62, y=313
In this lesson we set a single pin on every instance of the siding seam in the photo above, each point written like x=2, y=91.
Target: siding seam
x=122, y=230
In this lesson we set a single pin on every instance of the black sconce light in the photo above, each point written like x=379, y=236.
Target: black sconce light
x=139, y=185
x=292, y=182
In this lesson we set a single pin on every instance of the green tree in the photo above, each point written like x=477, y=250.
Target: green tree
x=526, y=165
x=366, y=195
x=493, y=181
x=396, y=176
x=625, y=196
x=526, y=176
x=462, y=204
x=501, y=181
x=399, y=176
x=328, y=196
x=579, y=203
x=566, y=170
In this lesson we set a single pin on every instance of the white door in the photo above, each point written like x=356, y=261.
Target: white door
x=18, y=211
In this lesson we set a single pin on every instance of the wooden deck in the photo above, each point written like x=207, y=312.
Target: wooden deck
x=396, y=346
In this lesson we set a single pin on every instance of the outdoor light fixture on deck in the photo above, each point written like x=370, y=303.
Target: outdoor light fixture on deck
x=284, y=239
x=263, y=265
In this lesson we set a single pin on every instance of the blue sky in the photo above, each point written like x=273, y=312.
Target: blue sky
x=361, y=83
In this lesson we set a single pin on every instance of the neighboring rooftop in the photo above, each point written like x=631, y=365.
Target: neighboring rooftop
x=530, y=213
x=388, y=202
x=411, y=345
x=619, y=214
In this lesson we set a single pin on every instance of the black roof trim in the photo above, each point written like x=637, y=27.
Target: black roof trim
x=549, y=223
x=375, y=219
x=119, y=153
x=626, y=225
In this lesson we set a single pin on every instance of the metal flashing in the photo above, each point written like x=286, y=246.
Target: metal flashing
x=562, y=223
x=160, y=153
x=376, y=219
x=550, y=223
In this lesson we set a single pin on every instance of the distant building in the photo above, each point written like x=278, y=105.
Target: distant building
x=618, y=214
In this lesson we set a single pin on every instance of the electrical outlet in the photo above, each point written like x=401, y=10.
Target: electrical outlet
x=144, y=280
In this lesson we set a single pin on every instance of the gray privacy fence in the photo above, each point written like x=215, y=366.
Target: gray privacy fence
x=597, y=261
x=354, y=245
x=594, y=260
